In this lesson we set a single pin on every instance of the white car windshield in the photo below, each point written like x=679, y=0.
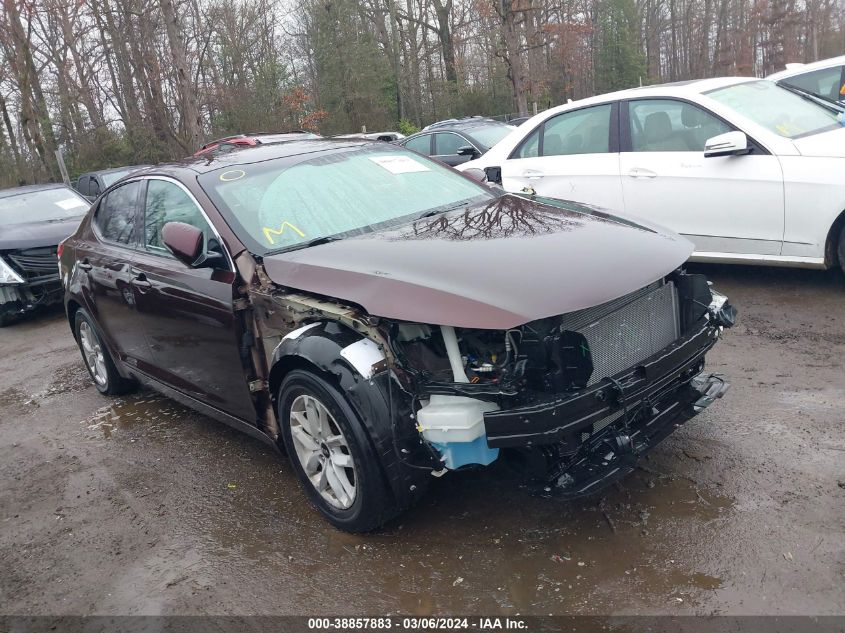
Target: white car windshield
x=287, y=202
x=777, y=109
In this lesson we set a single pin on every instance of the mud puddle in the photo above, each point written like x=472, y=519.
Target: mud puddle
x=144, y=413
x=478, y=541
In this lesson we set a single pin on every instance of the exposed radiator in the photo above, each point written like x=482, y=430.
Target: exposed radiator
x=626, y=331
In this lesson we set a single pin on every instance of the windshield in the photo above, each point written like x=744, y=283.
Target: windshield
x=777, y=109
x=489, y=135
x=285, y=202
x=112, y=177
x=42, y=206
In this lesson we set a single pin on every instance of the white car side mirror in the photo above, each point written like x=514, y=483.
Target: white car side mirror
x=728, y=144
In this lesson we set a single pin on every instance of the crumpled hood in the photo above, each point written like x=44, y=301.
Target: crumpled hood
x=496, y=265
x=825, y=144
x=35, y=234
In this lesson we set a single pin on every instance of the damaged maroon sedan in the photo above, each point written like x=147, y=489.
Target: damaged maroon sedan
x=385, y=318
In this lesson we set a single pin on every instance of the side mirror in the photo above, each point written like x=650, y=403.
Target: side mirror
x=476, y=174
x=187, y=243
x=728, y=144
x=468, y=150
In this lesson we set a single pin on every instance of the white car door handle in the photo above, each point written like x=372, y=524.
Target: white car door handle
x=532, y=174
x=640, y=172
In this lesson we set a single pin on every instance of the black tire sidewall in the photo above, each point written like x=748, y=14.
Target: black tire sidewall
x=840, y=250
x=373, y=502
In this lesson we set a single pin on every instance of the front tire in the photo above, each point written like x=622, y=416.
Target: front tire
x=332, y=455
x=97, y=358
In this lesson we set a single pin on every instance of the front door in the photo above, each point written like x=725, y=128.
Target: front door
x=446, y=146
x=726, y=204
x=187, y=313
x=571, y=156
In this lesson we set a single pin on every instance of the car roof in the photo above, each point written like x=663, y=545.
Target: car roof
x=673, y=89
x=205, y=163
x=111, y=170
x=461, y=124
x=16, y=191
x=799, y=69
x=677, y=88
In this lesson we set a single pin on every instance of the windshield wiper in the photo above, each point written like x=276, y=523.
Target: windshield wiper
x=443, y=209
x=809, y=96
x=317, y=241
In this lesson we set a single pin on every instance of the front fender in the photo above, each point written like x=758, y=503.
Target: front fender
x=357, y=366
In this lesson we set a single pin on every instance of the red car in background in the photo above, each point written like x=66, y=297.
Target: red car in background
x=236, y=141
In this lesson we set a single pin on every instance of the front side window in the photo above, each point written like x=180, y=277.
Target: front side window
x=168, y=202
x=115, y=217
x=825, y=83
x=279, y=204
x=666, y=125
x=447, y=144
x=421, y=144
x=776, y=108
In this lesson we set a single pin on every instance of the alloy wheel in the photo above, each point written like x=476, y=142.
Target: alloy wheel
x=323, y=451
x=93, y=353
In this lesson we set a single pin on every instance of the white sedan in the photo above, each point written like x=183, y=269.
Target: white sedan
x=749, y=171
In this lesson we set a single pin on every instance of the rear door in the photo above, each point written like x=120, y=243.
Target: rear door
x=105, y=258
x=424, y=144
x=572, y=156
x=187, y=313
x=726, y=204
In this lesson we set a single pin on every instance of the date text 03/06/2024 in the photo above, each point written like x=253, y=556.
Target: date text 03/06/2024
x=418, y=623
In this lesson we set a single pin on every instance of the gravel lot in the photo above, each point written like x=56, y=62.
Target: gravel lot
x=139, y=506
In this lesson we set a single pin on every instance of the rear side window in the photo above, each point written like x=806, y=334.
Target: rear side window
x=584, y=131
x=167, y=202
x=421, y=144
x=115, y=217
x=826, y=83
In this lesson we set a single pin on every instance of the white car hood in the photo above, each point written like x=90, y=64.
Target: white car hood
x=826, y=144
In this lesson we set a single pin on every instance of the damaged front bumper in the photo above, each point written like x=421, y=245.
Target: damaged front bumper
x=594, y=436
x=20, y=298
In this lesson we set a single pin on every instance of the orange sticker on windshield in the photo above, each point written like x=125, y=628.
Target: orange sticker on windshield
x=269, y=233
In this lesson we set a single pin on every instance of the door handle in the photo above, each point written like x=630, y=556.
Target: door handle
x=141, y=282
x=85, y=265
x=640, y=172
x=532, y=174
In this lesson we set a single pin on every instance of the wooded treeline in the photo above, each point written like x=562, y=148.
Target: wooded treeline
x=115, y=82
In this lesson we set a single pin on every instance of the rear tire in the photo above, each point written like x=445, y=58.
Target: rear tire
x=97, y=358
x=8, y=318
x=840, y=251
x=332, y=455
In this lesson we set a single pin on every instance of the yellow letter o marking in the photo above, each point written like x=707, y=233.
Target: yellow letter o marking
x=232, y=174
